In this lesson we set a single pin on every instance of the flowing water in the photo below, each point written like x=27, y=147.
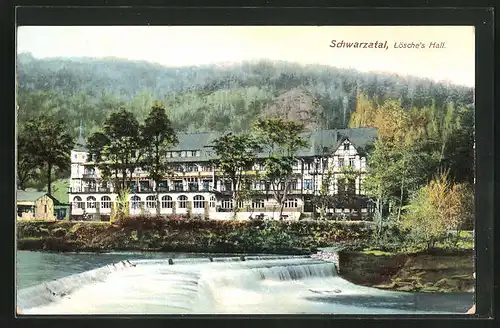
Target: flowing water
x=180, y=283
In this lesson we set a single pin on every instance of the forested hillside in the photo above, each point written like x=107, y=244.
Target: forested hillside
x=209, y=98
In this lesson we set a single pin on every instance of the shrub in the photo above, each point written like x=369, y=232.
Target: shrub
x=439, y=206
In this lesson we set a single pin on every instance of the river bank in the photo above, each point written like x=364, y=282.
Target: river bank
x=432, y=271
x=421, y=272
x=210, y=236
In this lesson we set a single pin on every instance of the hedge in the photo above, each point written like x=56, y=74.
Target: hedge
x=179, y=234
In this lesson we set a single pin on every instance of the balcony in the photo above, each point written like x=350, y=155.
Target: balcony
x=193, y=187
x=89, y=175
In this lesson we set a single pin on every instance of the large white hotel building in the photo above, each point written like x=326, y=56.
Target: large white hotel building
x=198, y=189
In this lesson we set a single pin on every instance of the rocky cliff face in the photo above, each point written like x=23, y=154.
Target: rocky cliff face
x=298, y=105
x=423, y=272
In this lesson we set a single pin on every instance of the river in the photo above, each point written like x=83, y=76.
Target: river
x=146, y=283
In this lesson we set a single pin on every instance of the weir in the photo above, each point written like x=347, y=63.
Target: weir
x=257, y=284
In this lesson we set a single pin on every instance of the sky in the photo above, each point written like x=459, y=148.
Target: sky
x=199, y=45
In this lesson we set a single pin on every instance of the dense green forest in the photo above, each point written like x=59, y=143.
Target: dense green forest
x=213, y=98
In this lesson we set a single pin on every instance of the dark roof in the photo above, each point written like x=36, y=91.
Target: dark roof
x=320, y=142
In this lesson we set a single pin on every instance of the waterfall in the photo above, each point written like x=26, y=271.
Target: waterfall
x=239, y=284
x=58, y=289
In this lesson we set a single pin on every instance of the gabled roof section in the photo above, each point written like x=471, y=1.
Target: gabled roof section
x=361, y=138
x=322, y=142
x=32, y=196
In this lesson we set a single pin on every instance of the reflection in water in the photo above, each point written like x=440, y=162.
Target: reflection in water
x=226, y=285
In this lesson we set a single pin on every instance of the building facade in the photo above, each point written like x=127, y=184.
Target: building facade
x=197, y=188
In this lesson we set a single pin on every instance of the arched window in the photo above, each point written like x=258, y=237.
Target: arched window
x=166, y=202
x=135, y=202
x=199, y=201
x=91, y=202
x=258, y=203
x=290, y=203
x=105, y=202
x=182, y=201
x=212, y=201
x=151, y=202
x=227, y=204
x=77, y=202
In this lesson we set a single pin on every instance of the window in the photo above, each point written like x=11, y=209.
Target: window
x=346, y=146
x=151, y=202
x=290, y=203
x=294, y=184
x=351, y=161
x=162, y=186
x=308, y=184
x=105, y=202
x=199, y=201
x=227, y=204
x=341, y=162
x=341, y=186
x=77, y=202
x=194, y=153
x=227, y=186
x=351, y=186
x=258, y=203
x=325, y=164
x=197, y=153
x=183, y=153
x=206, y=185
x=206, y=168
x=144, y=185
x=193, y=184
x=178, y=185
x=175, y=154
x=169, y=154
x=182, y=201
x=166, y=202
x=212, y=201
x=135, y=201
x=45, y=208
x=91, y=202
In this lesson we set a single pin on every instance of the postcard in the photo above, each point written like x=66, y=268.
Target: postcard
x=245, y=170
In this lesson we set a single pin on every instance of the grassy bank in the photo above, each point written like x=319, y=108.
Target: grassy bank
x=159, y=234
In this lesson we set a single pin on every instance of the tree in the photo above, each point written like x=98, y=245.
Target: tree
x=235, y=155
x=437, y=207
x=123, y=150
x=280, y=138
x=364, y=114
x=45, y=139
x=157, y=136
x=26, y=162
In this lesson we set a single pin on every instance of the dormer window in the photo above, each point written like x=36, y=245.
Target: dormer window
x=346, y=146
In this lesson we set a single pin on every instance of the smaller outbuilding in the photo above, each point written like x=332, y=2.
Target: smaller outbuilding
x=39, y=205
